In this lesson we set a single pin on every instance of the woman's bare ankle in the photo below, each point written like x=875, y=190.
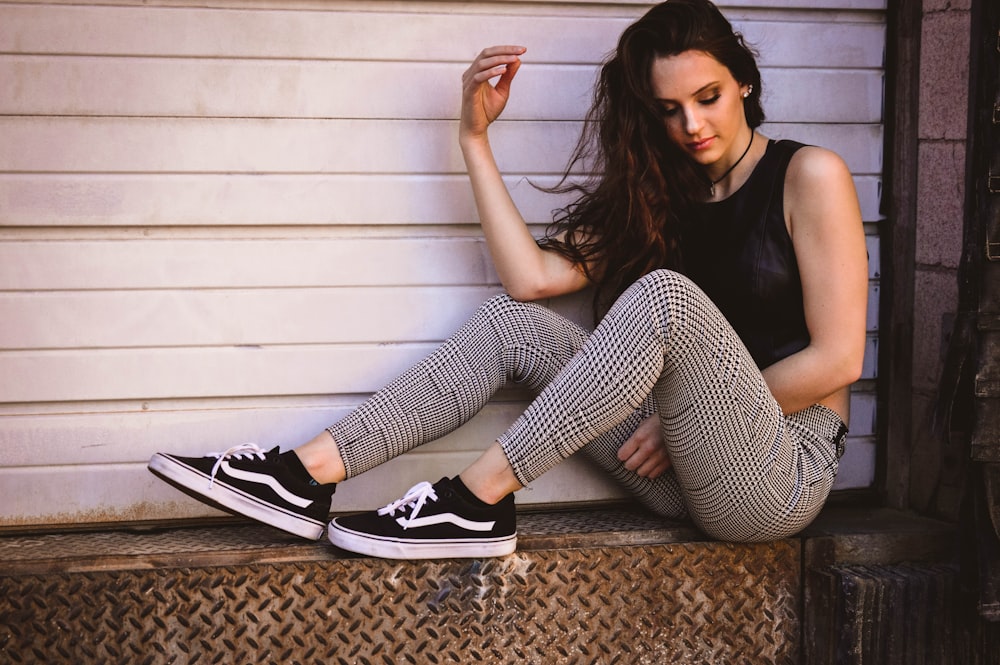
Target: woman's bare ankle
x=490, y=477
x=321, y=458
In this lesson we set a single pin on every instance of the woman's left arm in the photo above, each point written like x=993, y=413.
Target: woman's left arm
x=824, y=220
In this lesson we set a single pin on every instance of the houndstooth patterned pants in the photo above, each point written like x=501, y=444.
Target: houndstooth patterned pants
x=741, y=469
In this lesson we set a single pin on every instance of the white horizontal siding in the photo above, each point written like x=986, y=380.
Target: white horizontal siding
x=191, y=263
x=414, y=31
x=211, y=88
x=149, y=145
x=232, y=222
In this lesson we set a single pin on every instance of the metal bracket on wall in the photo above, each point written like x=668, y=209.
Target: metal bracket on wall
x=993, y=213
x=993, y=187
x=993, y=240
x=993, y=244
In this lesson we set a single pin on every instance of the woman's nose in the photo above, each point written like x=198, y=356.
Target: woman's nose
x=692, y=121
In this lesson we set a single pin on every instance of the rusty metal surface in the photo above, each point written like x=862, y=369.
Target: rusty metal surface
x=239, y=543
x=690, y=602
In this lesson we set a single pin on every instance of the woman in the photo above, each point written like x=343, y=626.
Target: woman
x=716, y=386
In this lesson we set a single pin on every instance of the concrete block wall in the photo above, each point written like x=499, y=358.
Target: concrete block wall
x=942, y=139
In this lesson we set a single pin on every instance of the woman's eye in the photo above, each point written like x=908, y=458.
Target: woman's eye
x=711, y=100
x=668, y=111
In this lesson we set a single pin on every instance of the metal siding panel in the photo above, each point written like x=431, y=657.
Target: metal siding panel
x=165, y=200
x=206, y=318
x=232, y=261
x=314, y=147
x=95, y=374
x=103, y=87
x=390, y=33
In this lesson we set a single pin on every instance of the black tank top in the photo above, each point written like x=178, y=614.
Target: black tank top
x=739, y=252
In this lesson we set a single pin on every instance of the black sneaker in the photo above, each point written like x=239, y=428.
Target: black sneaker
x=248, y=481
x=430, y=522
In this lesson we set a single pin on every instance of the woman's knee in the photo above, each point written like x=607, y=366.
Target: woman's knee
x=496, y=309
x=512, y=322
x=665, y=279
x=525, y=319
x=501, y=306
x=660, y=290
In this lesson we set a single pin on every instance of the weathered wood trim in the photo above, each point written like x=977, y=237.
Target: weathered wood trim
x=898, y=245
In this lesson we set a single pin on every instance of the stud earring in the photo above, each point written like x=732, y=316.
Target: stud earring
x=747, y=93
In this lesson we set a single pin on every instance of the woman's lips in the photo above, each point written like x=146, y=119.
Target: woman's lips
x=704, y=144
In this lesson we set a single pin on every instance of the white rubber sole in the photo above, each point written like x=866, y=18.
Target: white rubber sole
x=396, y=548
x=219, y=493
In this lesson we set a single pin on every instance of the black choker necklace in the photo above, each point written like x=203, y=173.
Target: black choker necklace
x=711, y=188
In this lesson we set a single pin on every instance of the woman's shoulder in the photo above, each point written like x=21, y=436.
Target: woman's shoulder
x=819, y=188
x=801, y=161
x=811, y=165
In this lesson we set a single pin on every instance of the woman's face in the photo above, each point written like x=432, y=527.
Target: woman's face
x=702, y=107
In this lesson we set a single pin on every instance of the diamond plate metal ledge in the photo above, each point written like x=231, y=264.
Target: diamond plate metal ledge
x=605, y=586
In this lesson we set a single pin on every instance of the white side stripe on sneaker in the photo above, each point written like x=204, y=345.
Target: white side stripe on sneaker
x=444, y=518
x=265, y=479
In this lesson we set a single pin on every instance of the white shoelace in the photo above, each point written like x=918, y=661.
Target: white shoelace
x=244, y=450
x=415, y=497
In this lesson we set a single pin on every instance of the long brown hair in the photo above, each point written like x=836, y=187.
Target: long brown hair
x=625, y=221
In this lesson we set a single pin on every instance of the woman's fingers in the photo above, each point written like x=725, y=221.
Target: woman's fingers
x=496, y=55
x=654, y=468
x=493, y=61
x=503, y=85
x=651, y=466
x=483, y=103
x=644, y=452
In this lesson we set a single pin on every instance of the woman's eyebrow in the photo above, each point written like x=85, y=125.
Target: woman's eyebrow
x=695, y=93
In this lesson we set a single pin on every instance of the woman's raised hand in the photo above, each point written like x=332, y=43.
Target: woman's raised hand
x=527, y=271
x=482, y=102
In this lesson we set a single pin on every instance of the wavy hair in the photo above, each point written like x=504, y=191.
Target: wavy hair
x=625, y=220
